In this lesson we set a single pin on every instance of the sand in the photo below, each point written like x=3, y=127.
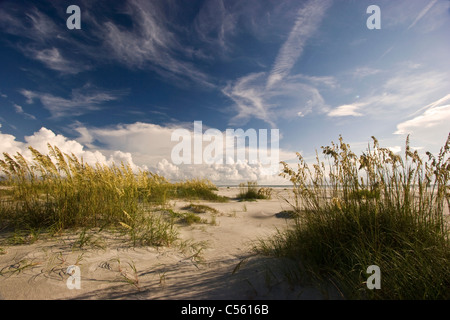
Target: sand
x=214, y=261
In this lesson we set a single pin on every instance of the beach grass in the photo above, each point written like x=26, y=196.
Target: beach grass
x=250, y=191
x=58, y=191
x=376, y=209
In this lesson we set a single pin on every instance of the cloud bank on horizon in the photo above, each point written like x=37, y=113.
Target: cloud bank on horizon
x=116, y=89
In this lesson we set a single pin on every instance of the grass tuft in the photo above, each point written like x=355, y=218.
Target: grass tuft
x=376, y=209
x=200, y=208
x=250, y=191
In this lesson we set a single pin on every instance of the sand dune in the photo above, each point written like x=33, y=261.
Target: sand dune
x=211, y=261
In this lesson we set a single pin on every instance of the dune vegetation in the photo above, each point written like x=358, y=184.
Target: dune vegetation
x=376, y=209
x=348, y=212
x=250, y=191
x=58, y=191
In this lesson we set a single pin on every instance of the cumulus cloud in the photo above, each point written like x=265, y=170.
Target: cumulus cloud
x=219, y=173
x=41, y=138
x=148, y=143
x=9, y=144
x=152, y=146
x=149, y=147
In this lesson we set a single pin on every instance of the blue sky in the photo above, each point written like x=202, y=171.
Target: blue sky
x=136, y=71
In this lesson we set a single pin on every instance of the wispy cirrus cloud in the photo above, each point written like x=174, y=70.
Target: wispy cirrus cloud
x=423, y=13
x=289, y=98
x=431, y=120
x=308, y=20
x=81, y=101
x=147, y=43
x=214, y=23
x=364, y=72
x=54, y=59
x=406, y=90
x=409, y=14
x=150, y=43
x=250, y=98
x=20, y=110
x=278, y=94
x=41, y=39
x=429, y=126
x=33, y=24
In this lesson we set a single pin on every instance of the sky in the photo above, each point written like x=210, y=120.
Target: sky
x=137, y=71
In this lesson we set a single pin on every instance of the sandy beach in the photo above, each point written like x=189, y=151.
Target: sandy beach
x=210, y=260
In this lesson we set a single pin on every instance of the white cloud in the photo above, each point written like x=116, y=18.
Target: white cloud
x=346, y=110
x=407, y=91
x=395, y=149
x=9, y=144
x=151, y=146
x=436, y=103
x=323, y=81
x=430, y=124
x=143, y=146
x=147, y=44
x=148, y=143
x=430, y=119
x=219, y=173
